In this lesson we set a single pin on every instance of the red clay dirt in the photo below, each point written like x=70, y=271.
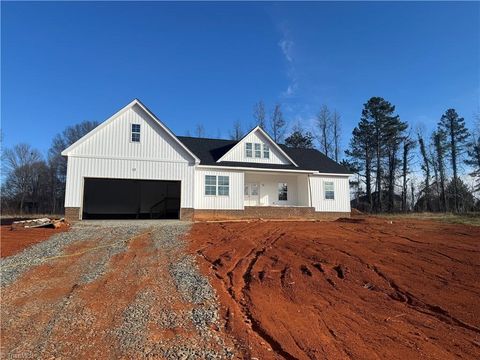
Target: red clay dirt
x=14, y=241
x=364, y=288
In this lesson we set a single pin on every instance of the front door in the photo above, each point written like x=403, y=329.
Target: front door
x=251, y=194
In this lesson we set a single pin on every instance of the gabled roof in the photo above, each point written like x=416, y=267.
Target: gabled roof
x=264, y=133
x=117, y=114
x=210, y=150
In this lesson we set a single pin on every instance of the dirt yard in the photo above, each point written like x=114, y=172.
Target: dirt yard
x=359, y=289
x=364, y=288
x=14, y=241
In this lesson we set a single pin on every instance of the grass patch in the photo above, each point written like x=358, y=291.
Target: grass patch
x=465, y=219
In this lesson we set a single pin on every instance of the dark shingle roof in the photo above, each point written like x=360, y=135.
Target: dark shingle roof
x=210, y=150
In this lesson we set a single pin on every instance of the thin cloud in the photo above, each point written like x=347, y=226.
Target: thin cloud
x=287, y=45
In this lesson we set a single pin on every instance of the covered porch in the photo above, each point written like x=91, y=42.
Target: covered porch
x=276, y=189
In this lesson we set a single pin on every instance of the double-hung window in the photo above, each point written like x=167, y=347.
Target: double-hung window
x=135, y=133
x=223, y=185
x=329, y=190
x=258, y=150
x=248, y=150
x=282, y=191
x=217, y=185
x=266, y=151
x=210, y=185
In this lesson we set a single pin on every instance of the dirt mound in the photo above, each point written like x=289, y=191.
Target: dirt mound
x=335, y=290
x=351, y=220
x=356, y=212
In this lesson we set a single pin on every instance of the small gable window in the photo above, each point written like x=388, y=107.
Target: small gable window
x=248, y=150
x=329, y=190
x=266, y=151
x=258, y=150
x=135, y=133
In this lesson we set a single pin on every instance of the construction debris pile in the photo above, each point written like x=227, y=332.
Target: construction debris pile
x=36, y=223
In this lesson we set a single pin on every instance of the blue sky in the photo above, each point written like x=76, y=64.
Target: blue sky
x=210, y=62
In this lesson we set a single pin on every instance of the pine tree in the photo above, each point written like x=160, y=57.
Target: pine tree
x=361, y=152
x=456, y=139
x=380, y=114
x=299, y=139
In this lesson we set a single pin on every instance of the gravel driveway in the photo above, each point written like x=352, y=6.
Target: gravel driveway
x=110, y=289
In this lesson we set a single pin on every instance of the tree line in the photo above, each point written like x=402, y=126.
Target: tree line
x=382, y=155
x=35, y=184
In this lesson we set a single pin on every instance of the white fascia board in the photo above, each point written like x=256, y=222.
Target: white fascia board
x=268, y=138
x=254, y=169
x=331, y=174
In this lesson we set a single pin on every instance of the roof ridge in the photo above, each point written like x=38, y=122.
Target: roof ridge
x=205, y=138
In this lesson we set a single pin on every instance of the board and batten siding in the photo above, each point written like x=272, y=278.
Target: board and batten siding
x=341, y=203
x=268, y=188
x=113, y=140
x=237, y=153
x=234, y=201
x=85, y=167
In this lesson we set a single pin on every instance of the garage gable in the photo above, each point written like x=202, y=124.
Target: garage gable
x=113, y=138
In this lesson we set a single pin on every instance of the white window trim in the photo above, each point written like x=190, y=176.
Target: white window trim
x=135, y=132
x=278, y=191
x=325, y=190
x=251, y=150
x=217, y=186
x=259, y=151
x=267, y=151
x=211, y=185
x=223, y=186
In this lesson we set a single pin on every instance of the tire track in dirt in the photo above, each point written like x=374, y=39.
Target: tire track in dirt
x=241, y=301
x=315, y=292
x=423, y=307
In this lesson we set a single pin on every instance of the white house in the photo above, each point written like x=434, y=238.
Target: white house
x=133, y=166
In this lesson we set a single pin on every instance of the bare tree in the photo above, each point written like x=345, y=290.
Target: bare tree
x=277, y=124
x=324, y=129
x=58, y=163
x=237, y=132
x=259, y=114
x=336, y=134
x=408, y=145
x=19, y=163
x=199, y=130
x=426, y=169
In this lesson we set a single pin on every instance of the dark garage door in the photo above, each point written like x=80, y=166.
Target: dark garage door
x=131, y=199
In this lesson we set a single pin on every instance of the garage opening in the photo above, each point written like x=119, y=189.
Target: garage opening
x=131, y=199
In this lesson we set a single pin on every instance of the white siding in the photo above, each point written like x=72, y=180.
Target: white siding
x=268, y=188
x=237, y=153
x=113, y=140
x=234, y=201
x=303, y=190
x=341, y=203
x=81, y=167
